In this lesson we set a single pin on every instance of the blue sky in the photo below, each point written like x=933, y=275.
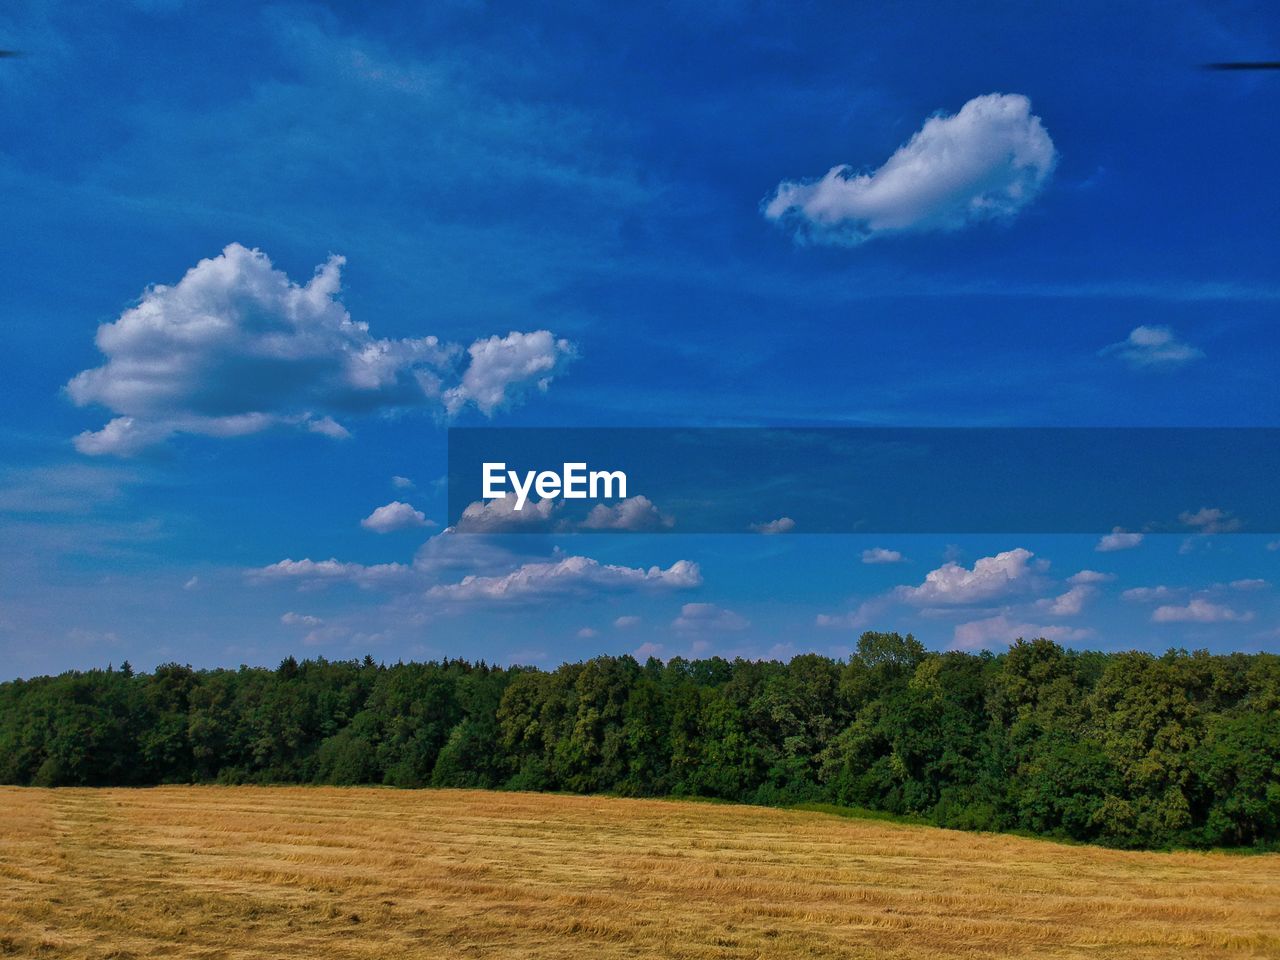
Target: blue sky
x=577, y=215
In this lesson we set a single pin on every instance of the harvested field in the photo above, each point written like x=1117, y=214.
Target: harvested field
x=245, y=872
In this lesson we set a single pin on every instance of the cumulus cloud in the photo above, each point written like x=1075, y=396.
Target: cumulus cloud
x=566, y=576
x=402, y=483
x=501, y=365
x=707, y=616
x=1000, y=631
x=626, y=622
x=773, y=527
x=986, y=162
x=393, y=516
x=881, y=555
x=314, y=572
x=636, y=514
x=1118, y=539
x=1198, y=610
x=501, y=516
x=235, y=347
x=1208, y=520
x=647, y=650
x=588, y=633
x=990, y=578
x=1090, y=576
x=1153, y=347
x=1068, y=604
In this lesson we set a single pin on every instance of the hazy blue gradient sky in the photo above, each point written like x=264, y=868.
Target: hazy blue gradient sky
x=313, y=236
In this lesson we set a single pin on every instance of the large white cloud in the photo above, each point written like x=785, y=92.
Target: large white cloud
x=989, y=579
x=986, y=162
x=567, y=576
x=236, y=347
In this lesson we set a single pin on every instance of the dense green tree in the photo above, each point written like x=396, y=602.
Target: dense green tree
x=1126, y=749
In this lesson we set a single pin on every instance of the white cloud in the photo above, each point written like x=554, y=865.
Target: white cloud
x=502, y=367
x=852, y=620
x=235, y=347
x=327, y=427
x=626, y=622
x=1149, y=594
x=1000, y=631
x=707, y=616
x=990, y=578
x=634, y=513
x=1068, y=604
x=1153, y=347
x=647, y=650
x=986, y=162
x=773, y=527
x=191, y=584
x=566, y=576
x=1208, y=520
x=1198, y=610
x=881, y=555
x=300, y=620
x=402, y=483
x=312, y=572
x=501, y=516
x=588, y=633
x=394, y=516
x=1118, y=539
x=1090, y=576
x=1250, y=584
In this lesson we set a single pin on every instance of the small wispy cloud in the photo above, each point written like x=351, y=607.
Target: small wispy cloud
x=1153, y=348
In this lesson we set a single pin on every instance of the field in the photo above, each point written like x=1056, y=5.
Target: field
x=242, y=872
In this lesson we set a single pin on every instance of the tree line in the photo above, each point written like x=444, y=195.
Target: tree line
x=1125, y=749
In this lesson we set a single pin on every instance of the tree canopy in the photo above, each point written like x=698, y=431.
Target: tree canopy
x=1125, y=749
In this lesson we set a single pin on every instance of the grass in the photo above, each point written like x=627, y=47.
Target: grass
x=297, y=872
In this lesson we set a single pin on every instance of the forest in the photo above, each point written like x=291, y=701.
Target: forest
x=1123, y=749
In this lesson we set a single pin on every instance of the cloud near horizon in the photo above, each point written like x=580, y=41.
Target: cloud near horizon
x=566, y=576
x=235, y=347
x=985, y=162
x=1000, y=631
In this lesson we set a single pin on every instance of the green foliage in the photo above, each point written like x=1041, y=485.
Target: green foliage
x=1125, y=749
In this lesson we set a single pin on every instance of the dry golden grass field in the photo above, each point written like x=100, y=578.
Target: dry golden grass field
x=240, y=872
